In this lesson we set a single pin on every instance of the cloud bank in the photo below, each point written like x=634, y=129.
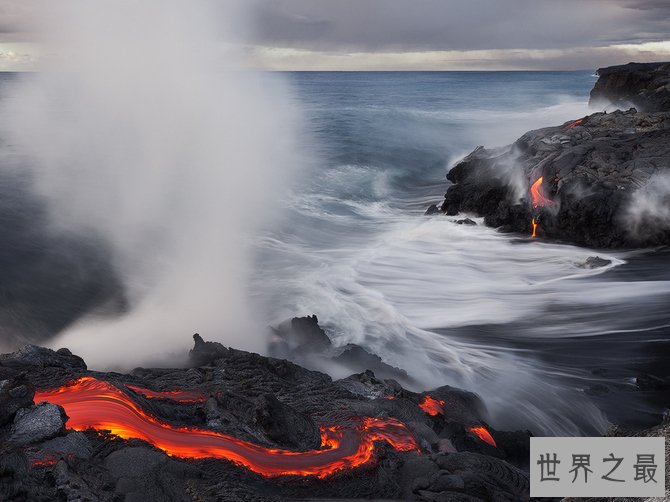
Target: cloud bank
x=425, y=34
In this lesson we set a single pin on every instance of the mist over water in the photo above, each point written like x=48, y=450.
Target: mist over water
x=142, y=133
x=451, y=304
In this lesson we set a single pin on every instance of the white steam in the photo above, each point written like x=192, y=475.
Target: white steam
x=142, y=131
x=649, y=208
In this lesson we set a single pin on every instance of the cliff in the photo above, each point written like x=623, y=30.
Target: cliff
x=599, y=181
x=646, y=86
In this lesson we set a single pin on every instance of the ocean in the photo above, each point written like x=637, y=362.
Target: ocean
x=549, y=345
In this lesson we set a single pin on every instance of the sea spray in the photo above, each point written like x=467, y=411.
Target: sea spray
x=143, y=130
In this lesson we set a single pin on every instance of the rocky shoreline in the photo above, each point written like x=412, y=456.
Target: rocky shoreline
x=271, y=404
x=70, y=433
x=599, y=181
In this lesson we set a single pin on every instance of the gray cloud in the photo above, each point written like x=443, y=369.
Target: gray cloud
x=583, y=30
x=661, y=5
x=16, y=20
x=369, y=25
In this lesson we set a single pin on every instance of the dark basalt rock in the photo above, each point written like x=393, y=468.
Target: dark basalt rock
x=285, y=426
x=35, y=424
x=604, y=174
x=595, y=262
x=463, y=477
x=594, y=172
x=15, y=393
x=304, y=334
x=204, y=353
x=646, y=86
x=75, y=444
x=368, y=385
x=266, y=401
x=466, y=221
x=145, y=474
x=486, y=478
x=305, y=342
x=433, y=209
x=32, y=355
x=355, y=358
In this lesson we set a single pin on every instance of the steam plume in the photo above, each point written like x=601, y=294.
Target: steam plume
x=143, y=130
x=649, y=209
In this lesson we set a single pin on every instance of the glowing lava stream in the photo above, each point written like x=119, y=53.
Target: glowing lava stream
x=181, y=396
x=574, y=124
x=432, y=406
x=484, y=435
x=539, y=200
x=95, y=404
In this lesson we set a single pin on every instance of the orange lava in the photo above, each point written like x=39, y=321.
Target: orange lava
x=182, y=396
x=432, y=406
x=534, y=228
x=48, y=461
x=483, y=434
x=539, y=199
x=573, y=124
x=95, y=404
x=390, y=398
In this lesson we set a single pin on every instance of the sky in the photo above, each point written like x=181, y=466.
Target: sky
x=418, y=34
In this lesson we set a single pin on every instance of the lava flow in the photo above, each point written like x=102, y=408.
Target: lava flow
x=181, y=396
x=432, y=406
x=95, y=404
x=483, y=434
x=574, y=124
x=539, y=199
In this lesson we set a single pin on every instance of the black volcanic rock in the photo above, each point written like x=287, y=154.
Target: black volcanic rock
x=204, y=353
x=75, y=444
x=646, y=86
x=305, y=342
x=37, y=423
x=605, y=175
x=355, y=358
x=466, y=221
x=304, y=334
x=285, y=426
x=595, y=262
x=32, y=355
x=269, y=402
x=433, y=209
x=368, y=385
x=15, y=393
x=486, y=478
x=595, y=173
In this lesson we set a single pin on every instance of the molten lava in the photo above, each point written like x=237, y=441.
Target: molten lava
x=483, y=434
x=182, y=396
x=539, y=199
x=573, y=124
x=48, y=460
x=95, y=404
x=432, y=406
